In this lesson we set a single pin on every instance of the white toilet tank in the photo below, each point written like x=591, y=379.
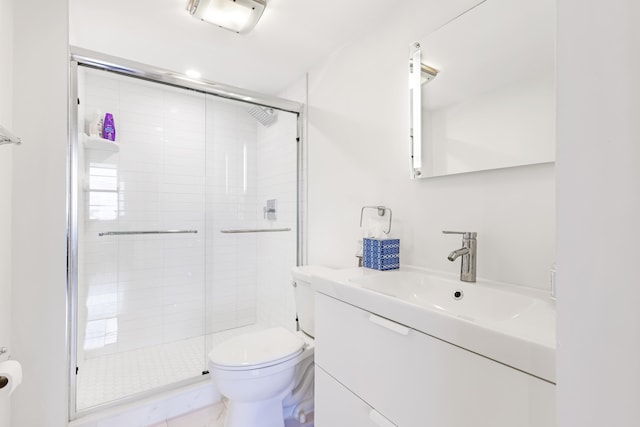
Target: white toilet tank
x=304, y=296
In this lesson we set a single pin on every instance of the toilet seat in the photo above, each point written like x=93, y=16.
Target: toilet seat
x=257, y=350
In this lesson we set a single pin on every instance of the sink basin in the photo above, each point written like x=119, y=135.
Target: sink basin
x=453, y=297
x=510, y=324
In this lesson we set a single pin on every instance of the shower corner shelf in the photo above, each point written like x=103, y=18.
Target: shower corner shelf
x=97, y=143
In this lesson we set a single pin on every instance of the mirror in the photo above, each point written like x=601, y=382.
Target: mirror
x=482, y=90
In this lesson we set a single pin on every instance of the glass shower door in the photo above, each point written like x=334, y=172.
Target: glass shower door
x=187, y=230
x=252, y=214
x=141, y=238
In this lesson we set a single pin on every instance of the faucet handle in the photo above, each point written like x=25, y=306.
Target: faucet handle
x=465, y=234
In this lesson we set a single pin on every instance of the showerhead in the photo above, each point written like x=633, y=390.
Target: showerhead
x=265, y=116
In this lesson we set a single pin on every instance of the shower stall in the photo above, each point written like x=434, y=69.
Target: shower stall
x=182, y=231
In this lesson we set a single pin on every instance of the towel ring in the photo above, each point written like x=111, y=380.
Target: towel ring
x=381, y=211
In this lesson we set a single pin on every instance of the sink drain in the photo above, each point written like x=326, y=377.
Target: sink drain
x=458, y=294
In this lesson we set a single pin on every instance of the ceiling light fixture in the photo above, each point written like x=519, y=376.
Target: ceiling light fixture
x=239, y=16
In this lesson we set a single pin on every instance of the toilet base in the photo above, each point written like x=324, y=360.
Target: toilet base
x=264, y=413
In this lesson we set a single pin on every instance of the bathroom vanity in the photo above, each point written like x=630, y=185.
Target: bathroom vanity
x=391, y=352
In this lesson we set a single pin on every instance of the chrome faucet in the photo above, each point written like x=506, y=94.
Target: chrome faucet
x=468, y=253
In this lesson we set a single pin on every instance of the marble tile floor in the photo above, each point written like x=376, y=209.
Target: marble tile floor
x=213, y=416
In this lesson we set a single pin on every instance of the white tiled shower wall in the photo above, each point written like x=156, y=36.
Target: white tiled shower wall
x=231, y=198
x=251, y=163
x=186, y=161
x=277, y=151
x=251, y=272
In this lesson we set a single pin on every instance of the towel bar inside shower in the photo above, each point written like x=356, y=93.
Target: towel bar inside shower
x=129, y=233
x=254, y=230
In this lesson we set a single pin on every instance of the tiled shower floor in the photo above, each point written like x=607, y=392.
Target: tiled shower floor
x=108, y=378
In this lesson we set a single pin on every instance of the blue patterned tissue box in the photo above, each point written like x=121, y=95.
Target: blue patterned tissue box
x=381, y=254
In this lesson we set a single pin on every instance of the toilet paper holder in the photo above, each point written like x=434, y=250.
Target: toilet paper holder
x=3, y=380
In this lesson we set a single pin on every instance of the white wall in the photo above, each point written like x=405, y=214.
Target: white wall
x=6, y=89
x=359, y=155
x=598, y=211
x=39, y=212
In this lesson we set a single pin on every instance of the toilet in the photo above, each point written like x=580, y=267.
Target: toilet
x=267, y=375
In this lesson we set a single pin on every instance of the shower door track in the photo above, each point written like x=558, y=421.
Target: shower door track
x=83, y=57
x=135, y=69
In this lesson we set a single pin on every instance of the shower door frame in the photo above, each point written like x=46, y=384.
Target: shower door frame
x=83, y=57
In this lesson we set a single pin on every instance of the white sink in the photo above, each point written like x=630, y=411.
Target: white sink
x=507, y=323
x=465, y=300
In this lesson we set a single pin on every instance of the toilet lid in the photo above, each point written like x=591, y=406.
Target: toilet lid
x=257, y=348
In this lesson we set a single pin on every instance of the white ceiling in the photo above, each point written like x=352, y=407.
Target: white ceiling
x=291, y=37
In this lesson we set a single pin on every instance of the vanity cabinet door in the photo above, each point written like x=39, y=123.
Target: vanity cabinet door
x=414, y=379
x=337, y=407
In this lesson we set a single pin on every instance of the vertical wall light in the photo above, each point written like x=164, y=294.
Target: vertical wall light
x=239, y=16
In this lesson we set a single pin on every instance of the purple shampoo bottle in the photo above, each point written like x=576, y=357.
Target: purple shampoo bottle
x=109, y=128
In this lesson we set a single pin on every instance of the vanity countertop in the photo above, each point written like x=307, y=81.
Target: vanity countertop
x=509, y=324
